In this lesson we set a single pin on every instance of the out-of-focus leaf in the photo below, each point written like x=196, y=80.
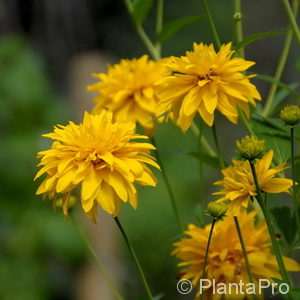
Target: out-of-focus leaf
x=279, y=83
x=210, y=160
x=280, y=97
x=286, y=222
x=200, y=214
x=254, y=37
x=141, y=10
x=169, y=29
x=276, y=136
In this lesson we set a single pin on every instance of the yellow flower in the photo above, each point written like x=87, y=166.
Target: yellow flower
x=130, y=90
x=225, y=262
x=100, y=156
x=204, y=81
x=238, y=184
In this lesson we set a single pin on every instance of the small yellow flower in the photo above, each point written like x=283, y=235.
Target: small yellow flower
x=217, y=210
x=238, y=183
x=290, y=115
x=204, y=81
x=250, y=147
x=100, y=156
x=130, y=90
x=226, y=262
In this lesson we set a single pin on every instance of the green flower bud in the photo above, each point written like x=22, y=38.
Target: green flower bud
x=217, y=210
x=290, y=115
x=250, y=147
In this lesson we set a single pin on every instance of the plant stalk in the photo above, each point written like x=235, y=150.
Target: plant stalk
x=292, y=19
x=97, y=260
x=142, y=34
x=239, y=231
x=275, y=245
x=168, y=186
x=212, y=24
x=221, y=160
x=135, y=260
x=281, y=65
x=206, y=252
x=294, y=180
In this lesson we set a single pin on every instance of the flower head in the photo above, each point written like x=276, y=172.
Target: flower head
x=238, y=183
x=250, y=147
x=290, y=115
x=100, y=156
x=204, y=81
x=217, y=210
x=130, y=90
x=225, y=262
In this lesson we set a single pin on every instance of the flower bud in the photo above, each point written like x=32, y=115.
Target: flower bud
x=250, y=147
x=290, y=115
x=217, y=210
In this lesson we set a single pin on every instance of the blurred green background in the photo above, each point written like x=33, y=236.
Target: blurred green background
x=42, y=255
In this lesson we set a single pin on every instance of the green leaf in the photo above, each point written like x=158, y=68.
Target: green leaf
x=276, y=136
x=199, y=214
x=169, y=29
x=279, y=83
x=254, y=37
x=210, y=160
x=141, y=10
x=286, y=222
x=280, y=97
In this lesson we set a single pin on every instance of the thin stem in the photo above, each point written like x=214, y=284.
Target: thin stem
x=135, y=260
x=141, y=32
x=221, y=160
x=201, y=181
x=294, y=180
x=168, y=186
x=159, y=23
x=275, y=245
x=245, y=121
x=281, y=65
x=292, y=19
x=212, y=24
x=239, y=231
x=97, y=260
x=239, y=26
x=206, y=252
x=204, y=143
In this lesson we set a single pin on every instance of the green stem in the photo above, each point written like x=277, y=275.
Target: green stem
x=212, y=24
x=239, y=37
x=97, y=260
x=239, y=231
x=201, y=181
x=294, y=180
x=168, y=186
x=281, y=65
x=159, y=23
x=275, y=245
x=204, y=143
x=206, y=253
x=292, y=19
x=135, y=260
x=246, y=122
x=141, y=32
x=221, y=160
x=239, y=26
